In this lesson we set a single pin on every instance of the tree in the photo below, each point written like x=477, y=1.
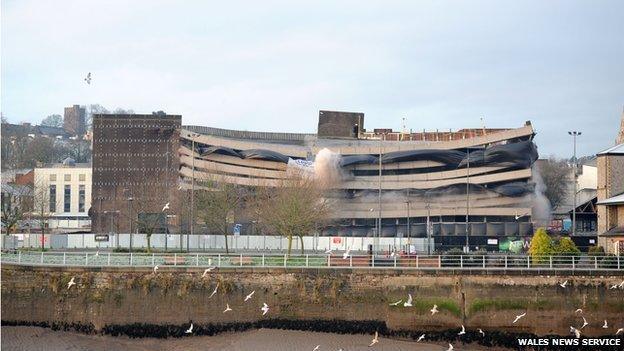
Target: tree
x=148, y=204
x=43, y=206
x=541, y=246
x=295, y=208
x=53, y=121
x=11, y=215
x=91, y=110
x=555, y=175
x=566, y=247
x=217, y=204
x=42, y=150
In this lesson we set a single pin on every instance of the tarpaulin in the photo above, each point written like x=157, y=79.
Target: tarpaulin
x=521, y=154
x=358, y=159
x=448, y=157
x=262, y=154
x=218, y=150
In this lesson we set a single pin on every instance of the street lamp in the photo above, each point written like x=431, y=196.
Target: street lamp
x=130, y=219
x=467, y=248
x=574, y=134
x=192, y=136
x=110, y=231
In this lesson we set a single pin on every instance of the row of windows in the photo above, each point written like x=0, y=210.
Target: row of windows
x=67, y=198
x=130, y=183
x=132, y=125
x=136, y=169
x=131, y=140
x=67, y=177
x=124, y=154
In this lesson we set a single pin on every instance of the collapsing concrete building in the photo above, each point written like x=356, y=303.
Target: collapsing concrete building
x=396, y=188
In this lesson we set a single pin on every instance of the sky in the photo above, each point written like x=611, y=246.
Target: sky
x=272, y=65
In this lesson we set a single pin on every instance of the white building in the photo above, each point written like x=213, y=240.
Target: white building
x=66, y=188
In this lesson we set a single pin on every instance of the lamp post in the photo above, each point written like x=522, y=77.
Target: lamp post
x=467, y=248
x=193, y=136
x=379, y=200
x=408, y=225
x=130, y=219
x=574, y=134
x=428, y=228
x=110, y=230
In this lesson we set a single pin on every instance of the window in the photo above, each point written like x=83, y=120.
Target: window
x=82, y=177
x=81, y=198
x=68, y=177
x=53, y=177
x=52, y=199
x=67, y=199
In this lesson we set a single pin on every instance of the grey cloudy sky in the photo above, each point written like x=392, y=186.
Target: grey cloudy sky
x=271, y=65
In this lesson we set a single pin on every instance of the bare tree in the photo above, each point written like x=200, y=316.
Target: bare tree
x=217, y=204
x=556, y=174
x=297, y=207
x=43, y=206
x=53, y=121
x=149, y=209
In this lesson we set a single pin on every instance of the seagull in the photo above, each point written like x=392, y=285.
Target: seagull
x=264, y=309
x=249, y=296
x=88, y=78
x=463, y=331
x=584, y=323
x=450, y=347
x=97, y=253
x=396, y=303
x=605, y=325
x=180, y=187
x=408, y=303
x=615, y=286
x=328, y=251
x=166, y=207
x=578, y=310
x=71, y=282
x=518, y=317
x=619, y=331
x=155, y=268
x=316, y=348
x=481, y=332
x=434, y=310
x=621, y=285
x=346, y=254
x=227, y=308
x=421, y=338
x=207, y=270
x=190, y=329
x=375, y=339
x=214, y=291
x=575, y=331
x=563, y=285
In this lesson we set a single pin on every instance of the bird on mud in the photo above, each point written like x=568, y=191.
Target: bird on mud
x=518, y=317
x=420, y=338
x=563, y=285
x=605, y=325
x=463, y=330
x=584, y=323
x=71, y=282
x=481, y=332
x=264, y=309
x=408, y=303
x=206, y=271
x=155, y=269
x=166, y=207
x=227, y=308
x=434, y=310
x=396, y=303
x=450, y=347
x=375, y=339
x=576, y=332
x=249, y=296
x=190, y=329
x=214, y=291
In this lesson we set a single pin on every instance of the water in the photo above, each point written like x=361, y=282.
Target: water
x=34, y=338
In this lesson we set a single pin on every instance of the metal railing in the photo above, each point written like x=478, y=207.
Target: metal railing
x=313, y=261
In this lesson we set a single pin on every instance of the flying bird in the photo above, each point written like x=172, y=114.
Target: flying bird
x=576, y=332
x=249, y=296
x=563, y=285
x=619, y=331
x=316, y=348
x=328, y=251
x=375, y=339
x=434, y=310
x=396, y=303
x=227, y=308
x=578, y=310
x=88, y=78
x=71, y=282
x=615, y=286
x=463, y=331
x=420, y=338
x=166, y=207
x=481, y=332
x=190, y=329
x=518, y=317
x=408, y=303
x=605, y=325
x=621, y=285
x=264, y=309
x=346, y=254
x=155, y=268
x=97, y=253
x=584, y=323
x=214, y=291
x=450, y=348
x=207, y=270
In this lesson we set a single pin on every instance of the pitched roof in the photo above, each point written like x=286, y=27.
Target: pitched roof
x=614, y=200
x=615, y=150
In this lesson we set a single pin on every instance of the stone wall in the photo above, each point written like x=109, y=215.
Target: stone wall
x=110, y=296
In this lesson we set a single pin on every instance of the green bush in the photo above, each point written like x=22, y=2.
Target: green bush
x=541, y=246
x=566, y=247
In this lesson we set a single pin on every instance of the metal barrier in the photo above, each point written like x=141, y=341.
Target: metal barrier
x=494, y=262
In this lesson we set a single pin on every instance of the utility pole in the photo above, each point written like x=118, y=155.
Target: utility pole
x=379, y=201
x=574, y=134
x=193, y=136
x=467, y=248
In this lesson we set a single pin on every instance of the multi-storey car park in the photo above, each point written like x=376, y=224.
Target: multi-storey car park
x=395, y=189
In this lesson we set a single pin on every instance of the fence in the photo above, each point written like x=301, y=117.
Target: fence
x=422, y=262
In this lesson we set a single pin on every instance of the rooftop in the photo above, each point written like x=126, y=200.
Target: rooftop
x=615, y=150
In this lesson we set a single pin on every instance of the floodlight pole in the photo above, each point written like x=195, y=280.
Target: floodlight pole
x=574, y=134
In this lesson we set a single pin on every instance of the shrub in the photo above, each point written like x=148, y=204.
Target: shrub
x=566, y=247
x=541, y=246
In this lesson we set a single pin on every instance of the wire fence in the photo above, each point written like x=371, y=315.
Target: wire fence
x=313, y=261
